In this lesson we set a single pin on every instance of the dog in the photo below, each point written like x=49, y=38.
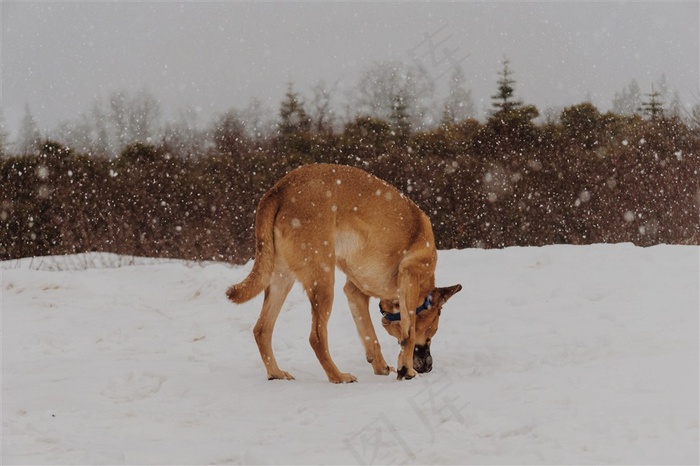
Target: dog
x=322, y=216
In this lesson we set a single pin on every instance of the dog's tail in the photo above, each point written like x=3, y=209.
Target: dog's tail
x=258, y=278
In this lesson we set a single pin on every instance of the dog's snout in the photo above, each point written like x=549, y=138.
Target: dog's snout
x=422, y=360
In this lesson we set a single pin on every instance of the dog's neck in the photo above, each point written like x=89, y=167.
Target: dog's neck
x=395, y=317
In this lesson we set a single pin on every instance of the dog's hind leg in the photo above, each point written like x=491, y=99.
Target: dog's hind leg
x=275, y=294
x=321, y=297
x=359, y=306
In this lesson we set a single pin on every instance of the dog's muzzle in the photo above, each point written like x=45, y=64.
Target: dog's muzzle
x=422, y=360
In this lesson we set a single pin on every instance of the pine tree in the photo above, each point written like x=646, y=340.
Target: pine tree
x=653, y=108
x=510, y=123
x=229, y=133
x=503, y=101
x=293, y=116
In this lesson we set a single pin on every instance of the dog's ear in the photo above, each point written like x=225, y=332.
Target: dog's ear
x=446, y=293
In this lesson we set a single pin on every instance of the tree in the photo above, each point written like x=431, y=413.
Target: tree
x=100, y=142
x=322, y=115
x=653, y=108
x=293, y=116
x=629, y=100
x=510, y=124
x=4, y=136
x=668, y=96
x=259, y=120
x=397, y=93
x=582, y=124
x=503, y=101
x=86, y=134
x=183, y=137
x=371, y=132
x=694, y=117
x=29, y=138
x=134, y=119
x=459, y=104
x=400, y=117
x=230, y=133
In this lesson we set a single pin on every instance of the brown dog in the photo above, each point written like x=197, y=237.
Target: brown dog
x=321, y=216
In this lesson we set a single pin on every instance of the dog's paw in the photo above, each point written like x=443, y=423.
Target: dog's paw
x=383, y=370
x=281, y=375
x=344, y=378
x=406, y=373
x=386, y=370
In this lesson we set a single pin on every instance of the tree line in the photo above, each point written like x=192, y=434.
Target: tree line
x=582, y=177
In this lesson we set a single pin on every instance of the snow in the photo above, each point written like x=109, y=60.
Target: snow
x=559, y=354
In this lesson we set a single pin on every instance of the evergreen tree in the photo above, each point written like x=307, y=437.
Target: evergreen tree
x=653, y=108
x=293, y=116
x=504, y=101
x=510, y=124
x=229, y=133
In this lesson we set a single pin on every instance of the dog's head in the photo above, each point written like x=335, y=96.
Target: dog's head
x=426, y=325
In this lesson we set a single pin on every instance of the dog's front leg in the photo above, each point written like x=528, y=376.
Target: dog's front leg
x=408, y=302
x=408, y=345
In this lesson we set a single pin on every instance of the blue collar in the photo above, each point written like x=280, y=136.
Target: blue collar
x=427, y=304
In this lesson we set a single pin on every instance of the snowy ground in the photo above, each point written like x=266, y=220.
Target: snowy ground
x=549, y=355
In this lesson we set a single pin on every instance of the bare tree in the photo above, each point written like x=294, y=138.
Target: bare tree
x=4, y=135
x=259, y=120
x=692, y=116
x=629, y=100
x=459, y=104
x=87, y=133
x=134, y=119
x=397, y=93
x=29, y=137
x=322, y=114
x=183, y=137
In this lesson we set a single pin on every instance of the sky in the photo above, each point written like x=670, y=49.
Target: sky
x=60, y=57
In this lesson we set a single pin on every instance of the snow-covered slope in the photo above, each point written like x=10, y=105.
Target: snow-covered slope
x=549, y=355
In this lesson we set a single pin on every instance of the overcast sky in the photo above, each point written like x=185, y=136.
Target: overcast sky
x=60, y=57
